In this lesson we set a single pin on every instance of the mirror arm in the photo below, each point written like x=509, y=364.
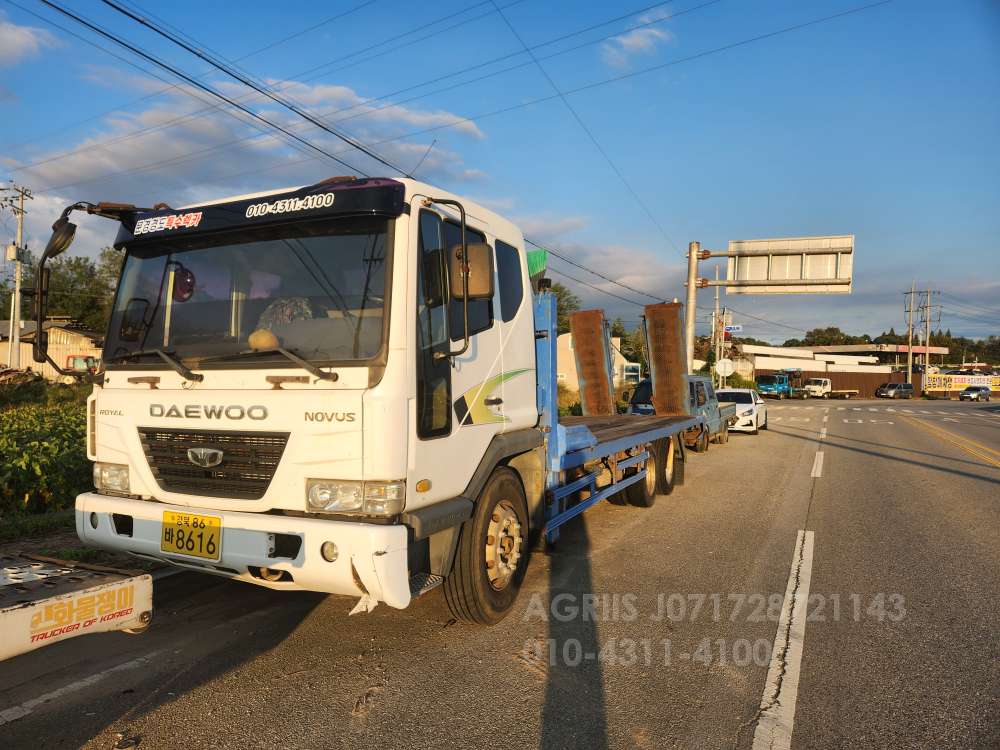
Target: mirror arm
x=465, y=275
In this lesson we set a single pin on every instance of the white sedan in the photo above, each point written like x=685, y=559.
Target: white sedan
x=751, y=411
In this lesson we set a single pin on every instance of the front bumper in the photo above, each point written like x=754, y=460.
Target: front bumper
x=371, y=558
x=743, y=424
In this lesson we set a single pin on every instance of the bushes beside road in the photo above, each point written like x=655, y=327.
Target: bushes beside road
x=43, y=458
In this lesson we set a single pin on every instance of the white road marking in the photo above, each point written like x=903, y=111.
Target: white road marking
x=841, y=408
x=776, y=419
x=870, y=408
x=822, y=434
x=826, y=417
x=908, y=411
x=889, y=408
x=855, y=408
x=817, y=470
x=854, y=421
x=8, y=715
x=776, y=716
x=799, y=419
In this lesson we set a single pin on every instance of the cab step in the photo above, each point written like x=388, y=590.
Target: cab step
x=421, y=583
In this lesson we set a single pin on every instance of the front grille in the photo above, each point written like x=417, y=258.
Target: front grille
x=248, y=464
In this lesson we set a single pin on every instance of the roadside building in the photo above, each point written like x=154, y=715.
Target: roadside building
x=70, y=346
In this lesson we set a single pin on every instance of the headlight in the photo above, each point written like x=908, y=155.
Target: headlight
x=746, y=413
x=111, y=477
x=349, y=496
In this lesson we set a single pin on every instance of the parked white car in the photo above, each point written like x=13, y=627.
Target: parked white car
x=751, y=411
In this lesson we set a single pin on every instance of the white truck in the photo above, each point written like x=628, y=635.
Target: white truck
x=347, y=387
x=823, y=388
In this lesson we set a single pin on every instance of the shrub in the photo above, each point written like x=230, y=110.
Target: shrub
x=43, y=458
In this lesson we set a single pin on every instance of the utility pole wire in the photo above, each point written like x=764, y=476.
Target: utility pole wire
x=246, y=81
x=582, y=267
x=189, y=79
x=583, y=126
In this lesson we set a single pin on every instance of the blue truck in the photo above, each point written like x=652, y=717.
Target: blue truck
x=780, y=385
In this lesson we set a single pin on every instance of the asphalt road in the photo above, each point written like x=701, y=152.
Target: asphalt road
x=644, y=628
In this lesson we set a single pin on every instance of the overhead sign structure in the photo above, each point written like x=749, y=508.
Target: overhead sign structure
x=791, y=265
x=725, y=367
x=734, y=329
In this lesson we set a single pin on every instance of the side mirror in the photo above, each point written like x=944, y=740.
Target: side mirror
x=480, y=271
x=63, y=233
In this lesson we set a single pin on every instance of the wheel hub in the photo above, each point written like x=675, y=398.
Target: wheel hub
x=503, y=545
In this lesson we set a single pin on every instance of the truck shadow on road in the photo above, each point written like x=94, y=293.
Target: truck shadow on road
x=573, y=714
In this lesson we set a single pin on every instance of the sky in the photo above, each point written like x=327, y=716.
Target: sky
x=625, y=131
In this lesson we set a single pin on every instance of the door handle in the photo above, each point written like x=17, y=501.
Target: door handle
x=493, y=401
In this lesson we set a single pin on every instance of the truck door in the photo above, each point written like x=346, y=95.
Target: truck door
x=455, y=396
x=515, y=318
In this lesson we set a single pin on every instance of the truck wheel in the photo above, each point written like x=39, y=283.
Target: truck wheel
x=643, y=494
x=667, y=461
x=701, y=445
x=491, y=558
x=724, y=434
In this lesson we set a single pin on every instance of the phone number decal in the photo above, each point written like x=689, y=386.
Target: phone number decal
x=289, y=205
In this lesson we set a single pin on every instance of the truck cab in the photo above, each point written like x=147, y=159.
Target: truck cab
x=703, y=402
x=288, y=375
x=818, y=388
x=780, y=385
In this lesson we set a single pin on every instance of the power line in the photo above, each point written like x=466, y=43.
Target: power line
x=171, y=86
x=583, y=126
x=586, y=87
x=208, y=89
x=572, y=262
x=595, y=287
x=329, y=113
x=249, y=82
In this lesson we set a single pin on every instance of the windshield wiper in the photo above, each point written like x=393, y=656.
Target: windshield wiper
x=174, y=363
x=287, y=354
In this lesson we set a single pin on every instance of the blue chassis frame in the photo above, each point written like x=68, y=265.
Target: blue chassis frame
x=573, y=447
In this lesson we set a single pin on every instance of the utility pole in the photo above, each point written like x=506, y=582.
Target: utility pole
x=694, y=251
x=16, y=204
x=927, y=311
x=717, y=329
x=908, y=296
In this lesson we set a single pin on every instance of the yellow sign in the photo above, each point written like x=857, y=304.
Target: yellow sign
x=959, y=382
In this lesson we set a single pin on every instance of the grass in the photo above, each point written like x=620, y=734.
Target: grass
x=15, y=527
x=77, y=554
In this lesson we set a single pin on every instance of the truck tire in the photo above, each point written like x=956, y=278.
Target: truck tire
x=642, y=494
x=701, y=444
x=492, y=554
x=723, y=435
x=666, y=473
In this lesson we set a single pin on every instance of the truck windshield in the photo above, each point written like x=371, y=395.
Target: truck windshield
x=767, y=380
x=814, y=381
x=318, y=289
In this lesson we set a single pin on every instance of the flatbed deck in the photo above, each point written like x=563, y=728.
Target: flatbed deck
x=589, y=438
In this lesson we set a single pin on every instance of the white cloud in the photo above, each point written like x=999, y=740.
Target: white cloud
x=212, y=153
x=618, y=51
x=546, y=228
x=17, y=43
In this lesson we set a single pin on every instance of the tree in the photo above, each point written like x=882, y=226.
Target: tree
x=567, y=303
x=80, y=288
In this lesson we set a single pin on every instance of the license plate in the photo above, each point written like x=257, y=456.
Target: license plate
x=191, y=534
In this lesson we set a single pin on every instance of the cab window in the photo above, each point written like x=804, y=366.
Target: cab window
x=509, y=278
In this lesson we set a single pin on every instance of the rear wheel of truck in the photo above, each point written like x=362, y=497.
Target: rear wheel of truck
x=642, y=494
x=491, y=558
x=723, y=436
x=666, y=458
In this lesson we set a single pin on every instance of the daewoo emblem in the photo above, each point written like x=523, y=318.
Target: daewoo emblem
x=206, y=458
